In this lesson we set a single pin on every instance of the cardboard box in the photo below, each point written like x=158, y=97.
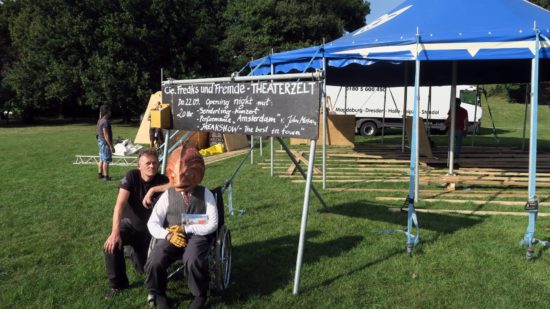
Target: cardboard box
x=340, y=131
x=161, y=117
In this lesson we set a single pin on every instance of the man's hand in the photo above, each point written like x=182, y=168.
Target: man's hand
x=148, y=199
x=112, y=242
x=176, y=236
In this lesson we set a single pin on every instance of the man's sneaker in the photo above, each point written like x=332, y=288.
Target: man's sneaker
x=151, y=300
x=112, y=293
x=107, y=178
x=99, y=176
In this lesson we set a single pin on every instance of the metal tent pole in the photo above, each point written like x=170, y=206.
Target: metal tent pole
x=429, y=113
x=384, y=115
x=165, y=152
x=477, y=103
x=403, y=128
x=532, y=201
x=416, y=127
x=411, y=212
x=324, y=121
x=346, y=100
x=303, y=225
x=301, y=170
x=272, y=157
x=251, y=149
x=451, y=158
x=272, y=151
x=527, y=95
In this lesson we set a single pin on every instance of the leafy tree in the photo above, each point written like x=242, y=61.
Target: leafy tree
x=6, y=56
x=45, y=75
x=66, y=57
x=139, y=37
x=255, y=27
x=542, y=3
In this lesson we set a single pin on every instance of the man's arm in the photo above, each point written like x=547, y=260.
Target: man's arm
x=155, y=223
x=148, y=199
x=107, y=138
x=114, y=238
x=211, y=212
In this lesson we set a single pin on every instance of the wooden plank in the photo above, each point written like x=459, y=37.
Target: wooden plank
x=445, y=178
x=471, y=212
x=427, y=193
x=224, y=156
x=300, y=157
x=384, y=180
x=463, y=201
x=292, y=168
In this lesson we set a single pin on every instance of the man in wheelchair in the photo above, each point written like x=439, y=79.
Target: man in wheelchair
x=175, y=239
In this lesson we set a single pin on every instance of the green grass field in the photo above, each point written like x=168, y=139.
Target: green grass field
x=56, y=216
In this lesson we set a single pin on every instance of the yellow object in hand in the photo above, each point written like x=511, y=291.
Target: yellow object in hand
x=176, y=236
x=176, y=228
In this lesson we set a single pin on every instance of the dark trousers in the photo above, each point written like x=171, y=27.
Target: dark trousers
x=116, y=266
x=195, y=259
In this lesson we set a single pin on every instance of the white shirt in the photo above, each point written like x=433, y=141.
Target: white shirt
x=156, y=221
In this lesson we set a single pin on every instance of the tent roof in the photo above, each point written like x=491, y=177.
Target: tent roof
x=488, y=32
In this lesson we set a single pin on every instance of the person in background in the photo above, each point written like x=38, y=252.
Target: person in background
x=156, y=137
x=130, y=216
x=174, y=241
x=461, y=127
x=104, y=142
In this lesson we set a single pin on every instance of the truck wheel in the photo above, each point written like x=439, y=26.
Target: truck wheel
x=368, y=128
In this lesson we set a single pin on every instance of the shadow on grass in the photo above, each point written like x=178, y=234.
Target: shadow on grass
x=440, y=223
x=261, y=268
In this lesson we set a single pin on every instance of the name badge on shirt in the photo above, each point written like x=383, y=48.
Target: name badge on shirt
x=189, y=219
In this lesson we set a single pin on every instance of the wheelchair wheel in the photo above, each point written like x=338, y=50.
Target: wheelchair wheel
x=220, y=263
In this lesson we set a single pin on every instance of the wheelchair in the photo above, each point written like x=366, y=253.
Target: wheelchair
x=219, y=255
x=220, y=250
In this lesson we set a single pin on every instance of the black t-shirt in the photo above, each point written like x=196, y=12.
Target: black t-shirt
x=135, y=211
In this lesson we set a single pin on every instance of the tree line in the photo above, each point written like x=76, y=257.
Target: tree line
x=67, y=57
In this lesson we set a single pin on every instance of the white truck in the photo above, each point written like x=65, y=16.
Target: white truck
x=369, y=103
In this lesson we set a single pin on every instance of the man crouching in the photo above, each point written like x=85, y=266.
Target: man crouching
x=192, y=241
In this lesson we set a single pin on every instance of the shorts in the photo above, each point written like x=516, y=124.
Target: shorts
x=104, y=151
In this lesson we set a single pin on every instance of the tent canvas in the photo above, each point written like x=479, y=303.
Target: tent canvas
x=490, y=47
x=451, y=42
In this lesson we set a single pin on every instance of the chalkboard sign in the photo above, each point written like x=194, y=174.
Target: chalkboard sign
x=283, y=109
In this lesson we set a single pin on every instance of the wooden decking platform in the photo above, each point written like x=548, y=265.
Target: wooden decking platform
x=486, y=175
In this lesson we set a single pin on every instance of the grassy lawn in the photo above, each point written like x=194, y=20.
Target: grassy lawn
x=56, y=216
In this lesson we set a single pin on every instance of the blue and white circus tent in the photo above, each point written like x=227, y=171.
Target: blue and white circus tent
x=437, y=42
x=479, y=35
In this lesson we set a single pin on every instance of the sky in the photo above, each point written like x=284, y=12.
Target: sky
x=381, y=7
